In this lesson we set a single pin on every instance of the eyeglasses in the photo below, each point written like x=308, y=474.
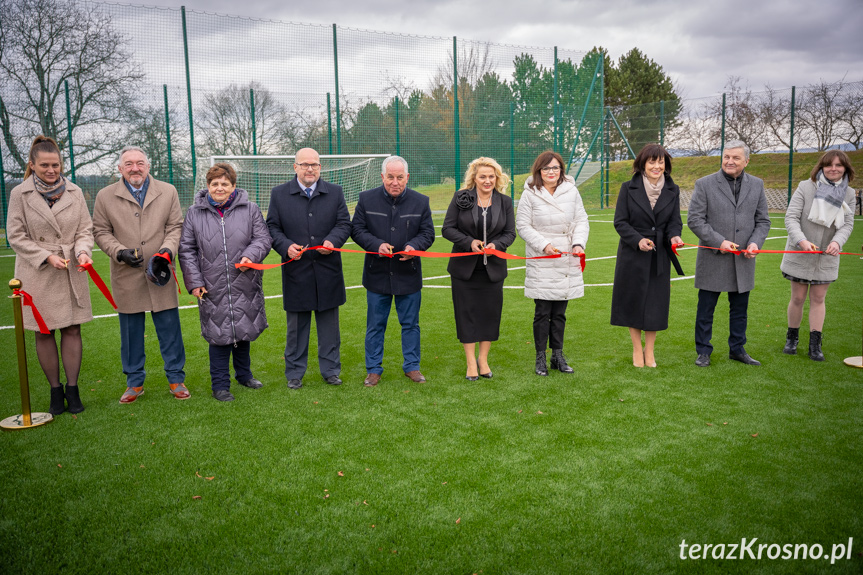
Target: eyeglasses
x=550, y=169
x=309, y=166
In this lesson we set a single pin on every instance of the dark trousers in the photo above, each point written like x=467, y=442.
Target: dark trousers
x=738, y=303
x=132, y=356
x=549, y=322
x=220, y=371
x=297, y=342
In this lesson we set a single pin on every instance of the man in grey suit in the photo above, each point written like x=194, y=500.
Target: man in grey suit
x=728, y=210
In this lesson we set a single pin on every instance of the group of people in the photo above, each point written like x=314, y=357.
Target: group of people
x=138, y=223
x=728, y=215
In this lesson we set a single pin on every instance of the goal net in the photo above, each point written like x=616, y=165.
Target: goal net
x=260, y=174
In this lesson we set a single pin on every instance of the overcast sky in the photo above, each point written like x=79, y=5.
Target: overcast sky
x=699, y=44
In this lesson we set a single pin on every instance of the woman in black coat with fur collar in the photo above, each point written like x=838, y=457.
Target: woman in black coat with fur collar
x=647, y=218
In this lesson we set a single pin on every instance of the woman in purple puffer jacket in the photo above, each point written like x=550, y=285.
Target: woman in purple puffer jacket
x=222, y=228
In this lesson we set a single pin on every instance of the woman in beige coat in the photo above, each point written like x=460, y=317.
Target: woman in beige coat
x=49, y=228
x=819, y=217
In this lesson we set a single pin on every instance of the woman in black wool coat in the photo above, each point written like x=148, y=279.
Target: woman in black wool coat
x=647, y=218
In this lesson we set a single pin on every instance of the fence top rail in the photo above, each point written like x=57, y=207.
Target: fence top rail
x=213, y=159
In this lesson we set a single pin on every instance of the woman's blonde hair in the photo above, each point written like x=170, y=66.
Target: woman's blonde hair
x=501, y=181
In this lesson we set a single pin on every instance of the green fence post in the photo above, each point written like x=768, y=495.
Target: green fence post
x=168, y=135
x=329, y=124
x=69, y=130
x=722, y=141
x=512, y=150
x=3, y=201
x=338, y=113
x=607, y=158
x=791, y=147
x=555, y=109
x=398, y=136
x=189, y=98
x=601, y=127
x=662, y=122
x=455, y=122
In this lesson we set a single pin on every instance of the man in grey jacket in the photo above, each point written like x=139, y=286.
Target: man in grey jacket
x=728, y=210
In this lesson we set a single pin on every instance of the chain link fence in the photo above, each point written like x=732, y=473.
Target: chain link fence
x=786, y=130
x=188, y=85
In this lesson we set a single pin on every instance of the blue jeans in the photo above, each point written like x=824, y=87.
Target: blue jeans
x=738, y=303
x=132, y=355
x=220, y=369
x=408, y=310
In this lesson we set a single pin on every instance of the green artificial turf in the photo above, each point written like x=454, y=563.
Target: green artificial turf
x=603, y=471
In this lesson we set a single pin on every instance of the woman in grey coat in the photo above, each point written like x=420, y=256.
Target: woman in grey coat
x=819, y=217
x=222, y=228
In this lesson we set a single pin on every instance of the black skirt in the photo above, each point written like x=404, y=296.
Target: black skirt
x=478, y=303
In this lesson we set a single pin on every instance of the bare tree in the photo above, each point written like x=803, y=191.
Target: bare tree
x=695, y=134
x=474, y=61
x=742, y=120
x=774, y=112
x=225, y=118
x=850, y=112
x=45, y=43
x=818, y=113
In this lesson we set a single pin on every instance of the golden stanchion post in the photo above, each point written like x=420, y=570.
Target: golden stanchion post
x=26, y=419
x=854, y=361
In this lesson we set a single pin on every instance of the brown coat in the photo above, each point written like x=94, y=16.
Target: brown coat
x=36, y=231
x=120, y=223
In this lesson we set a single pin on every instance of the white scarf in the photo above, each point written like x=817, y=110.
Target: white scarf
x=828, y=206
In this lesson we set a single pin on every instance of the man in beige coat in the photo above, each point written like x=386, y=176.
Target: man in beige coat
x=134, y=219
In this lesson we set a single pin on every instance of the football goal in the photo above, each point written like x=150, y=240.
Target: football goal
x=260, y=174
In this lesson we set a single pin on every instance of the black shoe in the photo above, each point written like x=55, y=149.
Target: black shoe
x=791, y=339
x=559, y=362
x=58, y=401
x=488, y=375
x=333, y=380
x=252, y=383
x=743, y=358
x=223, y=395
x=73, y=400
x=295, y=383
x=541, y=368
x=815, y=353
x=703, y=360
x=471, y=377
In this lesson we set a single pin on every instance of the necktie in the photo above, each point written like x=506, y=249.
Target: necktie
x=309, y=192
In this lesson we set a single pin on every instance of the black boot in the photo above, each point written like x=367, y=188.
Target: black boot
x=559, y=362
x=791, y=339
x=73, y=399
x=58, y=401
x=815, y=346
x=541, y=368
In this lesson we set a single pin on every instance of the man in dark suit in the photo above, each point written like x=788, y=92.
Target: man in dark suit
x=307, y=211
x=388, y=219
x=728, y=210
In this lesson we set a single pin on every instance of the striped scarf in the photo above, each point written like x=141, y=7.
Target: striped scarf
x=51, y=192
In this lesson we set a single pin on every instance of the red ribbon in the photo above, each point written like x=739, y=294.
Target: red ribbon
x=741, y=252
x=99, y=283
x=28, y=301
x=170, y=265
x=491, y=252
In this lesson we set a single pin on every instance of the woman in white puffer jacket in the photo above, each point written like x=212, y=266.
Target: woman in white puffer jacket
x=551, y=219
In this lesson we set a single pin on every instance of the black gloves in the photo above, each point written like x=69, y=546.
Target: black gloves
x=130, y=258
x=167, y=251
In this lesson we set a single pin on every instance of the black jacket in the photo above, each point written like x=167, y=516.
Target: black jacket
x=405, y=220
x=315, y=281
x=463, y=224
